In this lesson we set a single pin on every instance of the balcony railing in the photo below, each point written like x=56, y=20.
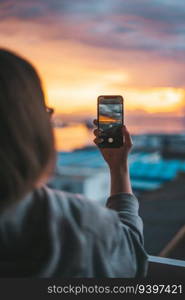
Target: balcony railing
x=163, y=268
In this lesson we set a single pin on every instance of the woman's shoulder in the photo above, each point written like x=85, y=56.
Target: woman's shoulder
x=86, y=212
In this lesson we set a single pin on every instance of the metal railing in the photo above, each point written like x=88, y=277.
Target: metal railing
x=162, y=268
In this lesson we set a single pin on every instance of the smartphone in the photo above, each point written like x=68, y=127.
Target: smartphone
x=110, y=121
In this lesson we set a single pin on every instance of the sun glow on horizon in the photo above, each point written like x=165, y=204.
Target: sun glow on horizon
x=74, y=99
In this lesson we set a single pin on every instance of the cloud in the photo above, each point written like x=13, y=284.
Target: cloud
x=134, y=25
x=168, y=12
x=142, y=33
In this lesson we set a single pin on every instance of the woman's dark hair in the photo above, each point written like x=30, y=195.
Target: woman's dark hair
x=26, y=135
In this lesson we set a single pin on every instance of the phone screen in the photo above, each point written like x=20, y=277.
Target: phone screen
x=110, y=119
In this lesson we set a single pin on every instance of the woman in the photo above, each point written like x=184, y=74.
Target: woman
x=49, y=233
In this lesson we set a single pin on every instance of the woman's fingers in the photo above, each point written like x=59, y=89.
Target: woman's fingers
x=97, y=132
x=98, y=140
x=95, y=122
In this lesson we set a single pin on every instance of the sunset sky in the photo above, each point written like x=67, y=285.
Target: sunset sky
x=83, y=49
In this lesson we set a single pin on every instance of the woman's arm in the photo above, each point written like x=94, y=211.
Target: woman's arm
x=117, y=160
x=120, y=180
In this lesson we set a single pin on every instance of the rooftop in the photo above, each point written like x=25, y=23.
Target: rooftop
x=149, y=171
x=163, y=214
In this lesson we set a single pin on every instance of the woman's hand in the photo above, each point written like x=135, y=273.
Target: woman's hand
x=115, y=157
x=117, y=160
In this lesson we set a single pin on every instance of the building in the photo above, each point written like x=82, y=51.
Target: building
x=163, y=214
x=169, y=145
x=91, y=182
x=81, y=170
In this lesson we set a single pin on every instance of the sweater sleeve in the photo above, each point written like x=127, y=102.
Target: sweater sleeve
x=127, y=251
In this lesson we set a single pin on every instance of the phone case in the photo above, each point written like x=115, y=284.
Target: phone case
x=112, y=136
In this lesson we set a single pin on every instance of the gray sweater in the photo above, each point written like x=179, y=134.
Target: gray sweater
x=52, y=233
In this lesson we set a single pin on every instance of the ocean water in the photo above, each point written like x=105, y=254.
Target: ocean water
x=77, y=135
x=72, y=137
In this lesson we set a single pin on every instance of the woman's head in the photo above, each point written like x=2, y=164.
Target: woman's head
x=26, y=136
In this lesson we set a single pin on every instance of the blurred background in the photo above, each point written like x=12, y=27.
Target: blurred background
x=83, y=49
